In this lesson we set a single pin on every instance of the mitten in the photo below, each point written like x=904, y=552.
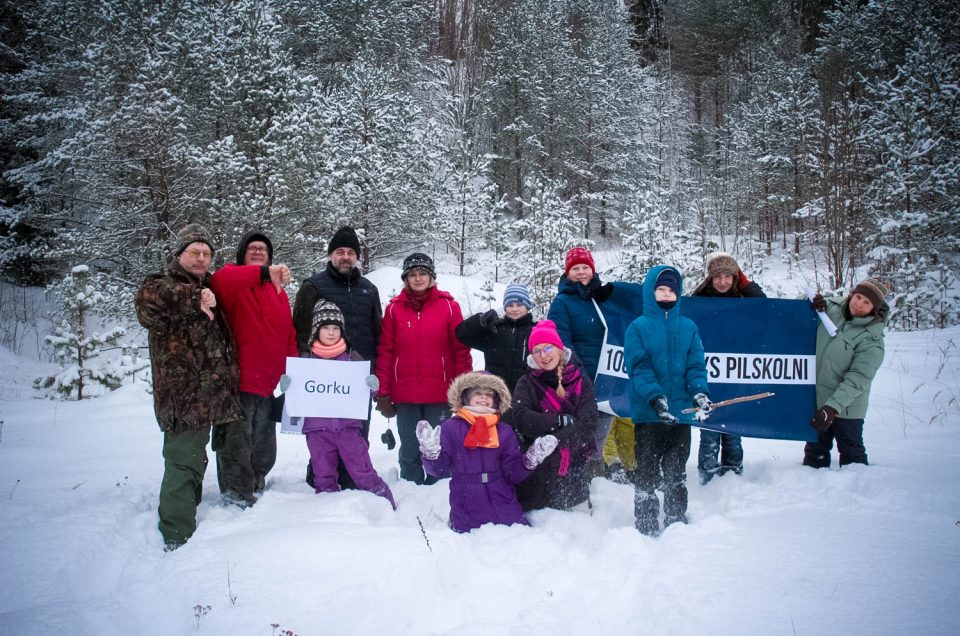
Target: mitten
x=489, y=318
x=742, y=280
x=662, y=409
x=373, y=382
x=823, y=418
x=284, y=383
x=565, y=419
x=603, y=292
x=429, y=438
x=385, y=406
x=819, y=303
x=702, y=401
x=539, y=451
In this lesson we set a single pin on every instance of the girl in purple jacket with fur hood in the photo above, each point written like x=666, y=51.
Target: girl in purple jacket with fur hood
x=480, y=453
x=331, y=437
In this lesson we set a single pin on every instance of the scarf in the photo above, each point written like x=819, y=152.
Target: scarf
x=328, y=351
x=418, y=300
x=547, y=381
x=483, y=427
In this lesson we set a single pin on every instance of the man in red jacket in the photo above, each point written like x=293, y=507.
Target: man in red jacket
x=258, y=310
x=418, y=357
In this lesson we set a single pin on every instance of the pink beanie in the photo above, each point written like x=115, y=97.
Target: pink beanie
x=544, y=331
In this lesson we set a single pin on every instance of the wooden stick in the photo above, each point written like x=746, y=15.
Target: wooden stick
x=736, y=400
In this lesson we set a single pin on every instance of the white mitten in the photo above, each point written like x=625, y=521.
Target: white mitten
x=285, y=381
x=373, y=382
x=429, y=438
x=539, y=451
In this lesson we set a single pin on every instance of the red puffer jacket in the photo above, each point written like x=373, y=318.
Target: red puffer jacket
x=262, y=325
x=419, y=354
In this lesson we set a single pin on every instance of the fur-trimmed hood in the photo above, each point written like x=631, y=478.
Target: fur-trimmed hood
x=477, y=380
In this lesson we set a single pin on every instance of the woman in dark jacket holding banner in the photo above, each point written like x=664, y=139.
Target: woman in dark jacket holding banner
x=846, y=365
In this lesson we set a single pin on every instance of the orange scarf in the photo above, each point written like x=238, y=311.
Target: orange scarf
x=483, y=429
x=328, y=351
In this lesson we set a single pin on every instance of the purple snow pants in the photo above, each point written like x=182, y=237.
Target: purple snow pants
x=347, y=444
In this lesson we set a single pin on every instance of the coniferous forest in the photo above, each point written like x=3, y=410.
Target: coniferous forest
x=492, y=133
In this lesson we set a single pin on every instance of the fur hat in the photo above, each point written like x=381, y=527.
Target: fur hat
x=669, y=278
x=544, y=331
x=417, y=260
x=344, y=237
x=463, y=384
x=517, y=292
x=192, y=233
x=874, y=289
x=578, y=256
x=325, y=313
x=250, y=237
x=718, y=263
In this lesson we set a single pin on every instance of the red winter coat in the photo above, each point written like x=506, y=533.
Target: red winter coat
x=261, y=322
x=419, y=354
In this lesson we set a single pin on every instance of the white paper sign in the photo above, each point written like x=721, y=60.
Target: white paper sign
x=290, y=425
x=327, y=388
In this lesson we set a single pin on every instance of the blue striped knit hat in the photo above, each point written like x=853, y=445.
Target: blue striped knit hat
x=517, y=292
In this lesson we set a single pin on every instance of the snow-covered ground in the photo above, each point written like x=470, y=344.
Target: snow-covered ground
x=782, y=549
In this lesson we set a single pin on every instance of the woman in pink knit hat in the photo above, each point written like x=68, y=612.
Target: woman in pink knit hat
x=555, y=398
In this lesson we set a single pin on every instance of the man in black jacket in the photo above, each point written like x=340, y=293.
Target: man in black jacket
x=358, y=299
x=724, y=279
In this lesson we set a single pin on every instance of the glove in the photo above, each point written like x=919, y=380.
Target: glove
x=284, y=383
x=823, y=418
x=373, y=382
x=539, y=451
x=702, y=401
x=818, y=303
x=565, y=419
x=742, y=280
x=489, y=318
x=603, y=292
x=662, y=409
x=429, y=438
x=385, y=406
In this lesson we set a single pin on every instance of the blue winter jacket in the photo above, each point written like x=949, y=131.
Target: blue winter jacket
x=578, y=322
x=664, y=356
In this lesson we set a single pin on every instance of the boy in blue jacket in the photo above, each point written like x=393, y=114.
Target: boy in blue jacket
x=667, y=371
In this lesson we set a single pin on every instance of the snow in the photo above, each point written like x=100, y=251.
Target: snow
x=782, y=549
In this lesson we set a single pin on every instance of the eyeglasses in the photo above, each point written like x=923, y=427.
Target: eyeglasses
x=256, y=249
x=195, y=253
x=544, y=351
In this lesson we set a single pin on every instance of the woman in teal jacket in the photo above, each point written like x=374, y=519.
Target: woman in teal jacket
x=846, y=365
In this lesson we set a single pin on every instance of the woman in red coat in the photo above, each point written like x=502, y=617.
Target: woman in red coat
x=418, y=357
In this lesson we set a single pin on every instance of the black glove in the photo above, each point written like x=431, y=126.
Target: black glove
x=818, y=303
x=823, y=418
x=565, y=419
x=662, y=409
x=489, y=318
x=603, y=292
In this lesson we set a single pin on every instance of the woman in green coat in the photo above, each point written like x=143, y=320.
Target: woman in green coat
x=846, y=364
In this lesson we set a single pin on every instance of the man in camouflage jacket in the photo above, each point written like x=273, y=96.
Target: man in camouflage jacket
x=195, y=375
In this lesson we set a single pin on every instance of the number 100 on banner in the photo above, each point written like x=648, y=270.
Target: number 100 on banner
x=611, y=361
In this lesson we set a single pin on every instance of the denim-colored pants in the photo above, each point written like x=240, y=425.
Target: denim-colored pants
x=409, y=454
x=726, y=447
x=849, y=436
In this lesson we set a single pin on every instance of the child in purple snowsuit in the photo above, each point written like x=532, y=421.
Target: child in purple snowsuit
x=480, y=453
x=331, y=437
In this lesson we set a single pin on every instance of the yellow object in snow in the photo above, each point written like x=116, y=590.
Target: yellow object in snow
x=620, y=444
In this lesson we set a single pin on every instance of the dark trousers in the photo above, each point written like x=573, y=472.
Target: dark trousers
x=246, y=450
x=662, y=453
x=849, y=436
x=730, y=457
x=184, y=462
x=408, y=415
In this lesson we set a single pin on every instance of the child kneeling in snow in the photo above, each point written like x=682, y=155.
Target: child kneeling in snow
x=330, y=438
x=480, y=453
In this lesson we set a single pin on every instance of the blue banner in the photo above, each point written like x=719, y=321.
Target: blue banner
x=752, y=345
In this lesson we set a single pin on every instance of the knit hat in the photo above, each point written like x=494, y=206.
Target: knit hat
x=718, y=263
x=344, y=237
x=874, y=289
x=326, y=313
x=192, y=233
x=578, y=256
x=250, y=237
x=669, y=278
x=417, y=261
x=544, y=331
x=517, y=292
